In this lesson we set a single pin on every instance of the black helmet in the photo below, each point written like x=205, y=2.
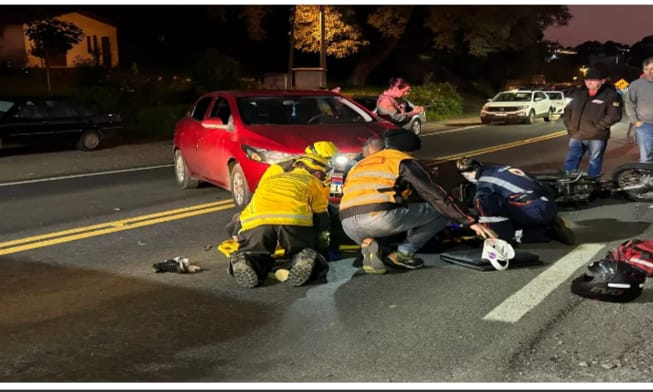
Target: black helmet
x=465, y=164
x=610, y=280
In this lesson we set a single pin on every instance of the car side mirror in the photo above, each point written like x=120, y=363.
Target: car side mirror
x=213, y=123
x=538, y=99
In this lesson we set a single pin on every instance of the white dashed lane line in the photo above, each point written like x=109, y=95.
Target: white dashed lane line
x=521, y=302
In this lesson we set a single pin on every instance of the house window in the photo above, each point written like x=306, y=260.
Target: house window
x=95, y=44
x=89, y=48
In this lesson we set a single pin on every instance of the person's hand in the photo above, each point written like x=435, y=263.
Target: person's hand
x=638, y=124
x=482, y=231
x=418, y=109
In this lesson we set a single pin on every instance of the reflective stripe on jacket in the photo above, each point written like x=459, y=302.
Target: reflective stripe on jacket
x=509, y=182
x=371, y=180
x=289, y=198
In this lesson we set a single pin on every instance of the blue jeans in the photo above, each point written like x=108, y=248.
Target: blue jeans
x=645, y=141
x=577, y=149
x=420, y=222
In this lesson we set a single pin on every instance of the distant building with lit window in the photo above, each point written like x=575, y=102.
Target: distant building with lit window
x=98, y=47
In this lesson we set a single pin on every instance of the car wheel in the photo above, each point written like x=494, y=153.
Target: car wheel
x=549, y=115
x=485, y=121
x=239, y=188
x=531, y=117
x=182, y=174
x=89, y=140
x=416, y=126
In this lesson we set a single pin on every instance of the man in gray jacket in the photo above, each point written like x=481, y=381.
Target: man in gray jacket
x=639, y=107
x=594, y=108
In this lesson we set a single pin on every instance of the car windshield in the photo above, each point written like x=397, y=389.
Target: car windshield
x=5, y=106
x=289, y=110
x=512, y=97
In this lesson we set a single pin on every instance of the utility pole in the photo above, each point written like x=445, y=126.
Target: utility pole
x=323, y=81
x=291, y=49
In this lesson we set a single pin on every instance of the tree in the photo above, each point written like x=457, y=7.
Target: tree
x=51, y=37
x=640, y=50
x=477, y=30
x=342, y=39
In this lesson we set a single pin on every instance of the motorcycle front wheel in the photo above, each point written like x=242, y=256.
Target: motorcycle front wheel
x=635, y=180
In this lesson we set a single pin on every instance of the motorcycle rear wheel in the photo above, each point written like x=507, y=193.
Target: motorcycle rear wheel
x=635, y=180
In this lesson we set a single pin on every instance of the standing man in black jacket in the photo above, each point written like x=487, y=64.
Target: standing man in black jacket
x=593, y=109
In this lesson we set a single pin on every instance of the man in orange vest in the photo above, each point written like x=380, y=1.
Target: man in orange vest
x=390, y=192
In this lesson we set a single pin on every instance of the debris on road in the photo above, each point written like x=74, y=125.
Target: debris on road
x=178, y=264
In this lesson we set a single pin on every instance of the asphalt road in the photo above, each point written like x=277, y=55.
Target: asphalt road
x=82, y=304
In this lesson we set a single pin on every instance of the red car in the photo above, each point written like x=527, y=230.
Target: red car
x=228, y=138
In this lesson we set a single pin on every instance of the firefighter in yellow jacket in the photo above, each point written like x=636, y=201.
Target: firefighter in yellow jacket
x=389, y=192
x=290, y=209
x=323, y=149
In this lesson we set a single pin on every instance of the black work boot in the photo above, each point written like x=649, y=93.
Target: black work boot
x=242, y=272
x=302, y=267
x=562, y=232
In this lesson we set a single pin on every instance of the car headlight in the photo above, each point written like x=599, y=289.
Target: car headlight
x=267, y=156
x=341, y=161
x=484, y=107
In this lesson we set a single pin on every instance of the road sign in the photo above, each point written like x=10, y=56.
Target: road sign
x=621, y=84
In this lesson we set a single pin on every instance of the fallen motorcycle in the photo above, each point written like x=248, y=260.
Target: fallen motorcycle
x=633, y=180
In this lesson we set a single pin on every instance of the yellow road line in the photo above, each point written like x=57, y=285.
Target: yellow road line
x=59, y=237
x=501, y=146
x=39, y=241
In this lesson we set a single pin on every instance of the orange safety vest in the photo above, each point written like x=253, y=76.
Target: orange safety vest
x=371, y=180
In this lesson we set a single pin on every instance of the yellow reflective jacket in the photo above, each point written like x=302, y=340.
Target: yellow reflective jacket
x=371, y=180
x=277, y=168
x=286, y=166
x=289, y=198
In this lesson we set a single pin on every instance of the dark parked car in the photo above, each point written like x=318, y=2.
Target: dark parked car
x=30, y=120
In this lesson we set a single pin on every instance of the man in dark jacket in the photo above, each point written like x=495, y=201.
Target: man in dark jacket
x=593, y=109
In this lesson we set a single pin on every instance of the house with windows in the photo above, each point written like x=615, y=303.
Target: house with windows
x=99, y=45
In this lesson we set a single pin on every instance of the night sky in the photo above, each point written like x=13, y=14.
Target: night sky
x=625, y=24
